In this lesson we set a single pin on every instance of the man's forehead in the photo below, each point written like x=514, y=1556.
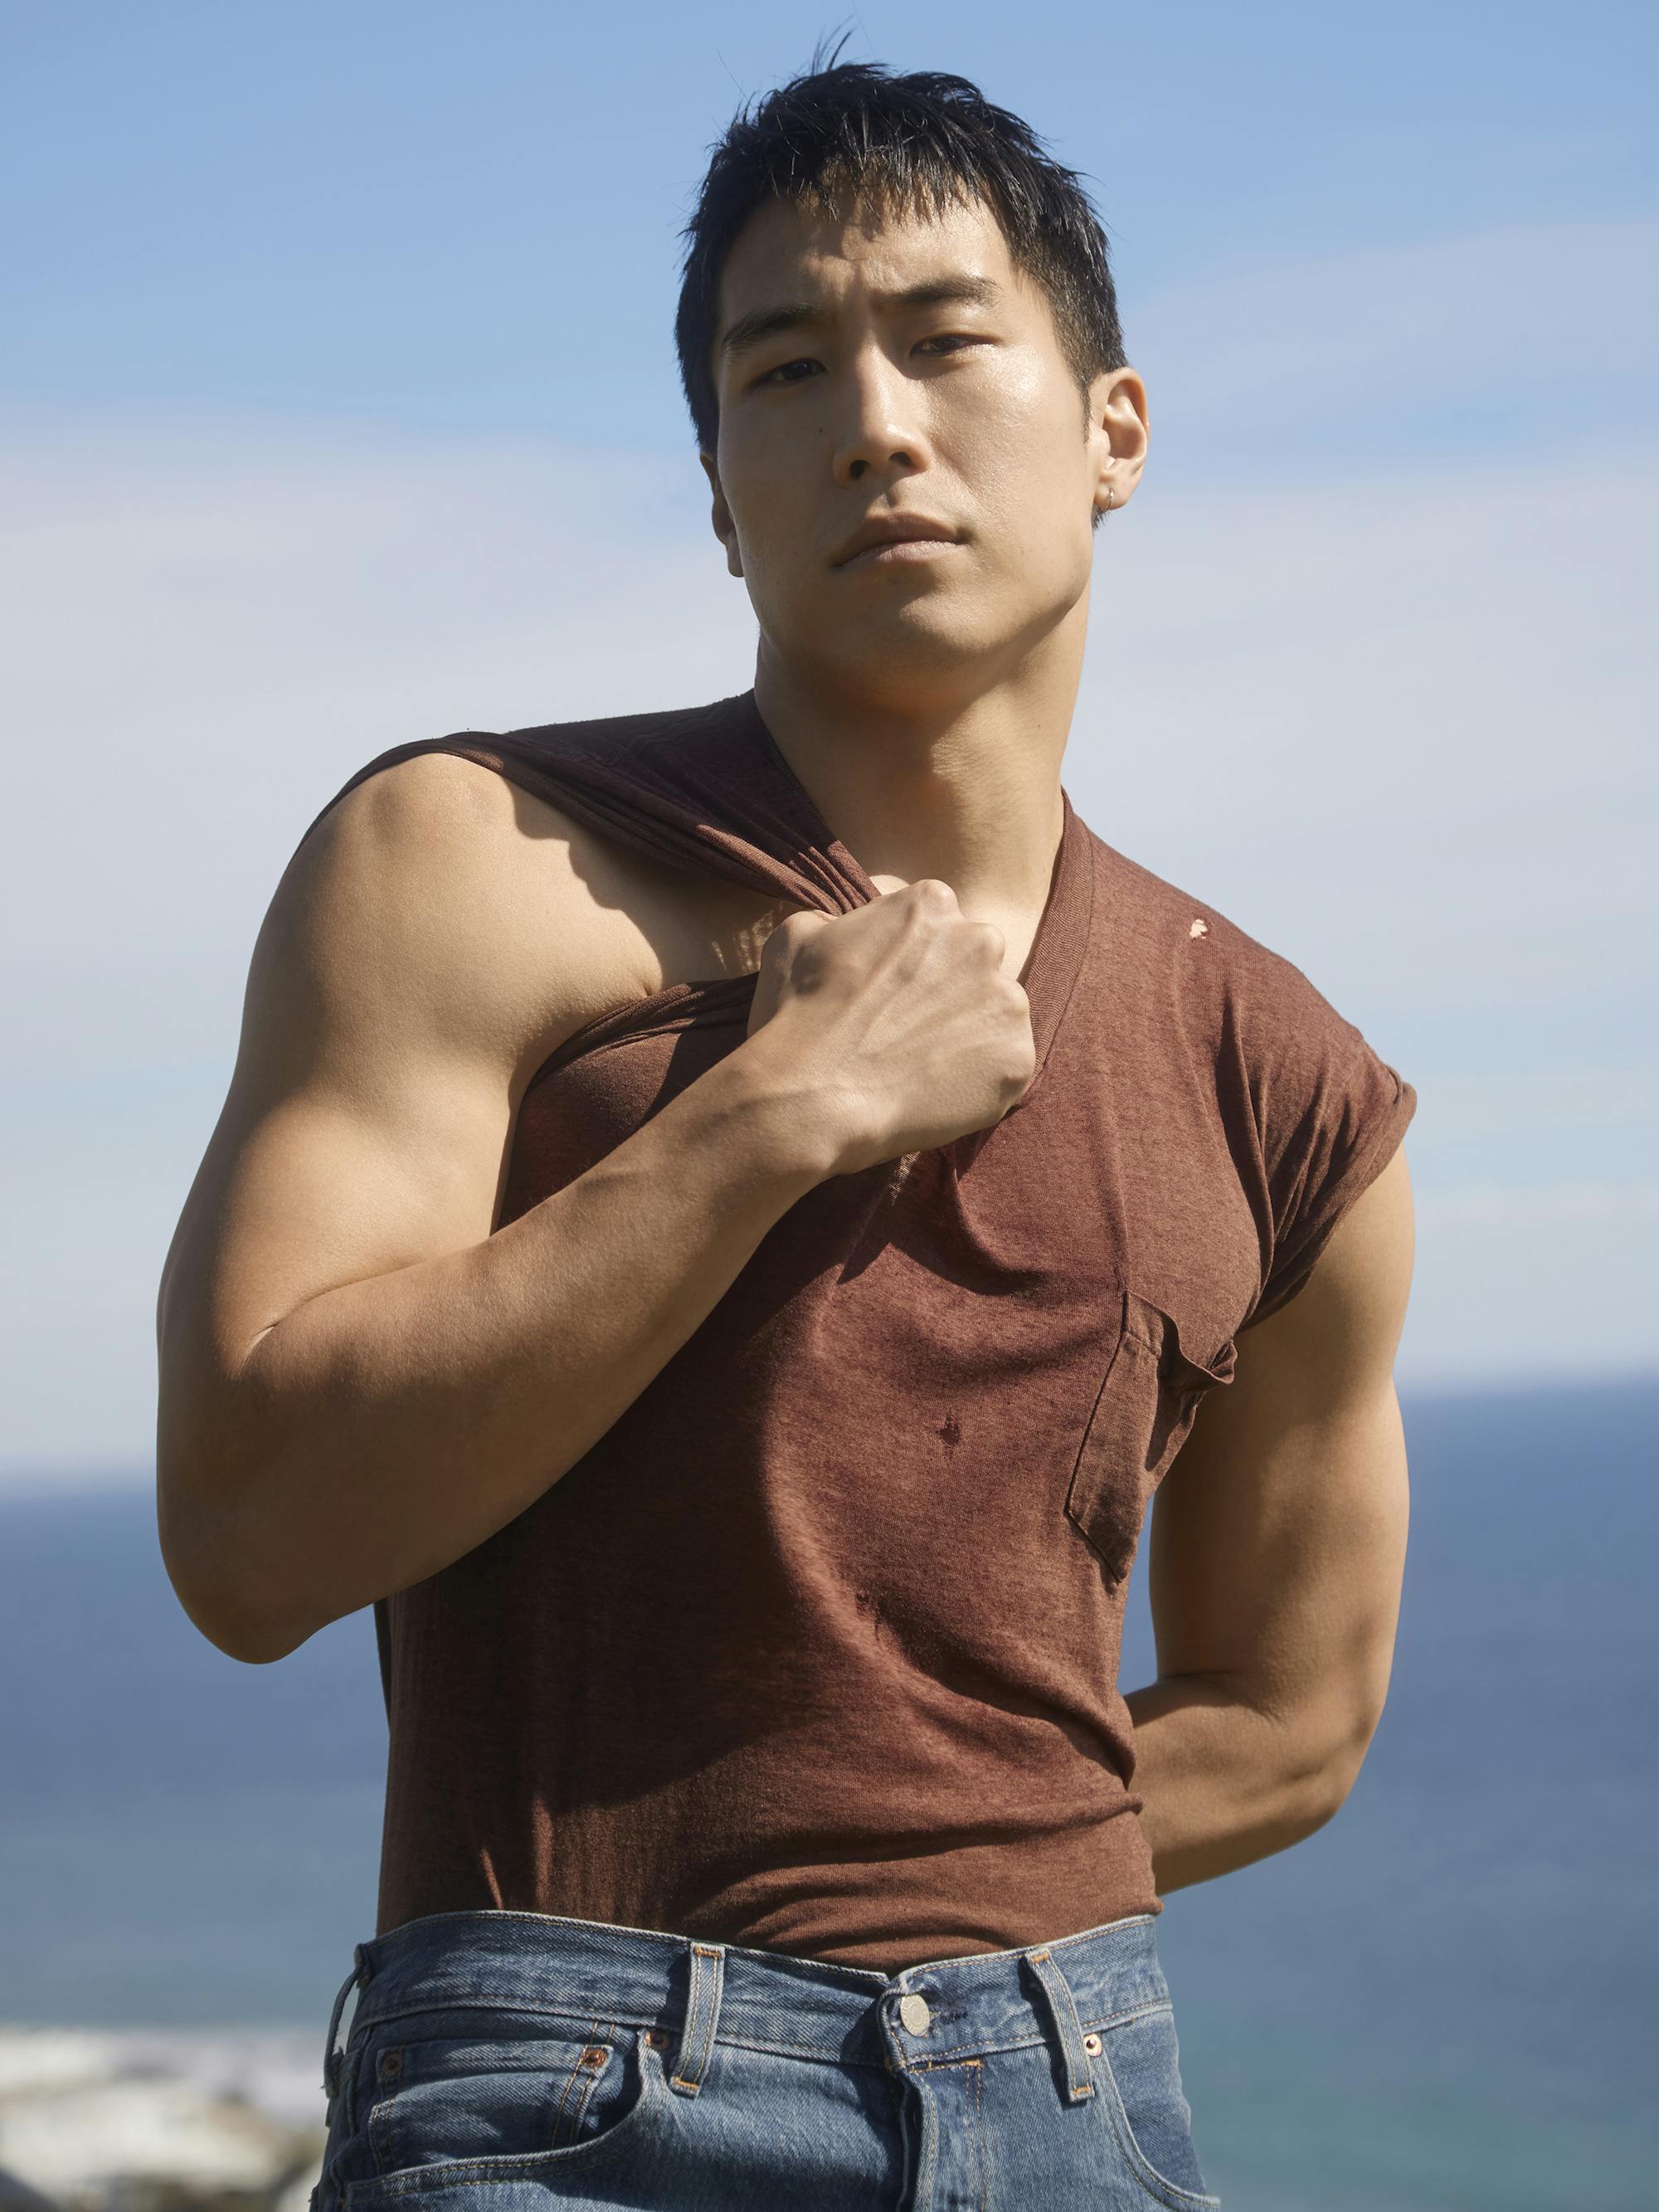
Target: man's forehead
x=785, y=248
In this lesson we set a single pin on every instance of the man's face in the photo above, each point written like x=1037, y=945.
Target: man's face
x=960, y=409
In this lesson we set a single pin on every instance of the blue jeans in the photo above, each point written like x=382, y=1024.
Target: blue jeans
x=516, y=2060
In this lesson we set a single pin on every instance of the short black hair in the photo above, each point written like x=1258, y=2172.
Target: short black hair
x=852, y=136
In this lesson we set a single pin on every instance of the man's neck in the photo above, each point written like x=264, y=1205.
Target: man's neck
x=970, y=795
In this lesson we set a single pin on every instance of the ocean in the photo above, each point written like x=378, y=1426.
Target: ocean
x=1443, y=2002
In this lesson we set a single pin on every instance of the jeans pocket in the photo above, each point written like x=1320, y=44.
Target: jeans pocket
x=481, y=2104
x=1147, y=1404
x=1137, y=2074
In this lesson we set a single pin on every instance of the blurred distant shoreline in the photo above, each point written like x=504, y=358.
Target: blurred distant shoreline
x=173, y=2118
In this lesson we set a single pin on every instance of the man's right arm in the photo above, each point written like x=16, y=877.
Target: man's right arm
x=359, y=1383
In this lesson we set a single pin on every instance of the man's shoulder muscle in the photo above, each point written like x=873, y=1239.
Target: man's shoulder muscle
x=440, y=895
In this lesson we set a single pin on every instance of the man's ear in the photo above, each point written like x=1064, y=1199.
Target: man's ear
x=720, y=515
x=1118, y=432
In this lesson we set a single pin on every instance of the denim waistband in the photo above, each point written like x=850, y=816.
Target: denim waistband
x=541, y=1963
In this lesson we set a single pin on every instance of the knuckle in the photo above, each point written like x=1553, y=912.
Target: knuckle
x=797, y=928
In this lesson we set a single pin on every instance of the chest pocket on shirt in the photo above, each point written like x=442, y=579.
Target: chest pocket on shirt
x=1146, y=1408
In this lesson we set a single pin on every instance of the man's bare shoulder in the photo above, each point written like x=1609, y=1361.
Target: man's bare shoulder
x=438, y=890
x=507, y=923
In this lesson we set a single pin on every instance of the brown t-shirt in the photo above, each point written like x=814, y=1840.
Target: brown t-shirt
x=817, y=1650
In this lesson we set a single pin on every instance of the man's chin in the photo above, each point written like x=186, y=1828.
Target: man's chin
x=923, y=630
x=898, y=665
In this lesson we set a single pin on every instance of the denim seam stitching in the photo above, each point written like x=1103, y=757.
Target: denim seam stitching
x=1027, y=2042
x=1177, y=2198
x=577, y=2075
x=780, y=2047
x=508, y=2166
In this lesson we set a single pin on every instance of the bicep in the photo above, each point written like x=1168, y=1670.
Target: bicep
x=368, y=1117
x=1278, y=1538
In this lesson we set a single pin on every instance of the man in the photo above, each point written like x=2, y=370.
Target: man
x=723, y=1220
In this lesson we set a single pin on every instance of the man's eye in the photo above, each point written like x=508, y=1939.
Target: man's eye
x=773, y=374
x=952, y=338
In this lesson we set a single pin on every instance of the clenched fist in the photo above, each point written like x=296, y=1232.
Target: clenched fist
x=895, y=1021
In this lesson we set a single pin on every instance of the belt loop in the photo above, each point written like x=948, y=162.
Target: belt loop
x=702, y=2014
x=1063, y=2008
x=359, y=1977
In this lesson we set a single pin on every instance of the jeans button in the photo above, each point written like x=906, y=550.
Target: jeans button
x=913, y=2011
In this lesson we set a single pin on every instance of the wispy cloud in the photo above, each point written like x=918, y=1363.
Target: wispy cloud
x=1490, y=331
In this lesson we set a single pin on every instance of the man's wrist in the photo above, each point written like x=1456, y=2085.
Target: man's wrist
x=787, y=1122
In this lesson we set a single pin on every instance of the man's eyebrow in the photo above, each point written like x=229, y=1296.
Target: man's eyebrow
x=956, y=288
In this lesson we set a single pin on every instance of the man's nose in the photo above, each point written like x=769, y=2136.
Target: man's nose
x=878, y=426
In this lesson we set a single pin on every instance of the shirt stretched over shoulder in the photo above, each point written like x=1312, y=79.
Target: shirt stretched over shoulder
x=817, y=1649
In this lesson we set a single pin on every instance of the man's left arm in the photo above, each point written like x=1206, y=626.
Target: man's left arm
x=1276, y=1558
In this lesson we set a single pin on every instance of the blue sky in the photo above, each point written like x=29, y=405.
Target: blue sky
x=338, y=405
x=460, y=220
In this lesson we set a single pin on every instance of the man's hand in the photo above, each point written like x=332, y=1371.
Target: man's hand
x=899, y=1019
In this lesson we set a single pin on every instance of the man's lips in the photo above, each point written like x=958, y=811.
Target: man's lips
x=900, y=550
x=892, y=526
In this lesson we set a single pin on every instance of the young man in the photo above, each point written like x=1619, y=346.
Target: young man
x=722, y=1221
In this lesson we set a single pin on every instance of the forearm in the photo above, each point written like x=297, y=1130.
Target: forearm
x=386, y=1427
x=1226, y=1781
